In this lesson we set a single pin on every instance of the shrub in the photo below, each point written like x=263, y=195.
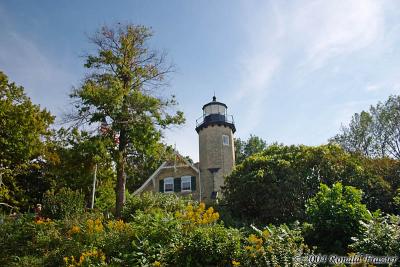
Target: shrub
x=149, y=201
x=15, y=236
x=64, y=203
x=335, y=214
x=208, y=246
x=164, y=234
x=274, y=246
x=380, y=236
x=105, y=196
x=282, y=178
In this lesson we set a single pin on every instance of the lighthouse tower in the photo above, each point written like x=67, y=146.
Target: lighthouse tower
x=216, y=148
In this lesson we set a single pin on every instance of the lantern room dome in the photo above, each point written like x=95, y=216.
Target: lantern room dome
x=215, y=113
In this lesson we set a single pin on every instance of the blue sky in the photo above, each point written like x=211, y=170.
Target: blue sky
x=289, y=71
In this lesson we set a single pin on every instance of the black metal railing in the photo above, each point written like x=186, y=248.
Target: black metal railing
x=214, y=118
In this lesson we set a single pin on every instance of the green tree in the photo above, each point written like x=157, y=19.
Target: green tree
x=274, y=185
x=120, y=91
x=23, y=128
x=335, y=214
x=76, y=155
x=244, y=149
x=141, y=166
x=357, y=137
x=374, y=133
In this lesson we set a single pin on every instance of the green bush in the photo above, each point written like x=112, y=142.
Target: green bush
x=149, y=201
x=335, y=214
x=208, y=246
x=380, y=236
x=274, y=246
x=282, y=178
x=105, y=196
x=174, y=232
x=16, y=235
x=64, y=203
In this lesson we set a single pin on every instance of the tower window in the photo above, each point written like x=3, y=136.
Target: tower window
x=168, y=185
x=225, y=140
x=186, y=183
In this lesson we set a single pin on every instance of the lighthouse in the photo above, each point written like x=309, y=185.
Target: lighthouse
x=216, y=148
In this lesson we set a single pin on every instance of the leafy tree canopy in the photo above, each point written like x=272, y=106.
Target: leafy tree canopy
x=246, y=148
x=273, y=186
x=23, y=128
x=374, y=133
x=120, y=92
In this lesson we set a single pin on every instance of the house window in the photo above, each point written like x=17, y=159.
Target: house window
x=168, y=185
x=225, y=140
x=186, y=183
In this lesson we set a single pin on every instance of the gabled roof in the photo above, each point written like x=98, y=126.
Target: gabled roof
x=177, y=162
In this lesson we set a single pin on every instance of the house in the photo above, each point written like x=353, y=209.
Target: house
x=203, y=180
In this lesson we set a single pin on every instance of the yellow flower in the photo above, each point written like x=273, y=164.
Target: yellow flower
x=202, y=206
x=189, y=208
x=215, y=216
x=235, y=263
x=98, y=228
x=120, y=225
x=210, y=210
x=75, y=229
x=255, y=240
x=265, y=233
x=157, y=264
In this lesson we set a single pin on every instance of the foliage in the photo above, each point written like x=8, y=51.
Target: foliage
x=274, y=246
x=149, y=201
x=63, y=203
x=77, y=154
x=335, y=214
x=187, y=235
x=282, y=178
x=380, y=236
x=23, y=126
x=142, y=166
x=105, y=195
x=210, y=246
x=396, y=200
x=119, y=92
x=374, y=133
x=244, y=149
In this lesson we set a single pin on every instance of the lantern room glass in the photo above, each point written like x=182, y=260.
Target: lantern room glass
x=214, y=109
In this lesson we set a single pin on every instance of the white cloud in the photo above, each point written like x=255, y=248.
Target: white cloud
x=336, y=28
x=259, y=63
x=373, y=87
x=281, y=38
x=45, y=79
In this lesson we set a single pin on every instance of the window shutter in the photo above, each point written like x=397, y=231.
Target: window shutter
x=161, y=185
x=177, y=184
x=193, y=183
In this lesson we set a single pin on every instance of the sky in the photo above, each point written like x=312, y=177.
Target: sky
x=290, y=71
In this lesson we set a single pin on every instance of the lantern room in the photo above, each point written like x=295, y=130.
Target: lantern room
x=215, y=113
